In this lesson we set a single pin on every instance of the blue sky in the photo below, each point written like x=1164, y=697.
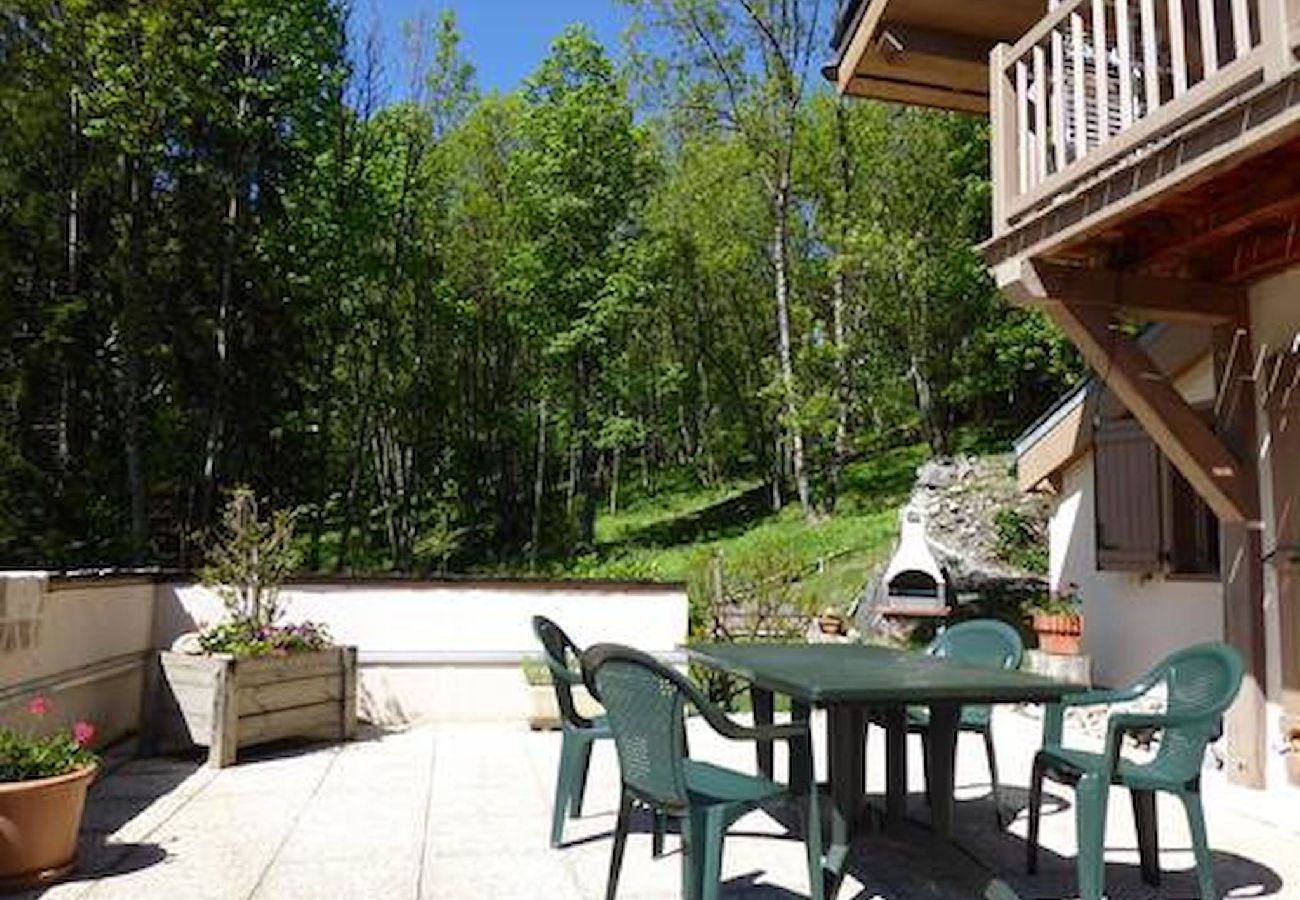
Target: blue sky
x=504, y=39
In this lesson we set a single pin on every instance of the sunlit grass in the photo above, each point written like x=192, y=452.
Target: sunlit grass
x=666, y=537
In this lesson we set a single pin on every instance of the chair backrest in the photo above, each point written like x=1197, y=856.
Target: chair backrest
x=645, y=704
x=980, y=642
x=1200, y=684
x=562, y=659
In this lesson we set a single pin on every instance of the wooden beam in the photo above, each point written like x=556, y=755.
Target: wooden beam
x=899, y=40
x=1241, y=559
x=1125, y=367
x=1182, y=235
x=1145, y=297
x=915, y=93
x=851, y=59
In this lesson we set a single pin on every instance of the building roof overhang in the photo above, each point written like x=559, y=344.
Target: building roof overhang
x=924, y=52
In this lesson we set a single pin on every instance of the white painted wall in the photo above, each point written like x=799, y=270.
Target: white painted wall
x=1130, y=621
x=84, y=650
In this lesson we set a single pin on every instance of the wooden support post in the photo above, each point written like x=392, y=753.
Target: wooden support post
x=1241, y=560
x=1275, y=33
x=1006, y=136
x=1281, y=393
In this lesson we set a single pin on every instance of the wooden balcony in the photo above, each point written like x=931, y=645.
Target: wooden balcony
x=1150, y=135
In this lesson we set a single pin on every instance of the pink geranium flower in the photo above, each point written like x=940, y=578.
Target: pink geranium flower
x=83, y=733
x=39, y=706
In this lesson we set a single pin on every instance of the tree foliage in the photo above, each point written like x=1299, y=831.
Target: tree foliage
x=450, y=328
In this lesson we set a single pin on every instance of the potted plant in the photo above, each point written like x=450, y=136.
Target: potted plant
x=1058, y=621
x=43, y=782
x=832, y=622
x=252, y=678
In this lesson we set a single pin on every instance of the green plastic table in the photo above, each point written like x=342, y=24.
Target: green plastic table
x=847, y=680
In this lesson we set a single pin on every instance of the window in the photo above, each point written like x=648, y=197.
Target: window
x=1149, y=519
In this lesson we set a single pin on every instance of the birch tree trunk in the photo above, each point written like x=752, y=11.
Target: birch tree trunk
x=539, y=486
x=785, y=352
x=839, y=301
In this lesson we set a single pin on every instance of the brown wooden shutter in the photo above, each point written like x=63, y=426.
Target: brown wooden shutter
x=1128, y=507
x=1191, y=530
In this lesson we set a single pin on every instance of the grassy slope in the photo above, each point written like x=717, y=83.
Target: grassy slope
x=664, y=536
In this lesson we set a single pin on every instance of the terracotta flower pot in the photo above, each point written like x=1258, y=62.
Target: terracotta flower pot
x=832, y=623
x=39, y=821
x=1059, y=632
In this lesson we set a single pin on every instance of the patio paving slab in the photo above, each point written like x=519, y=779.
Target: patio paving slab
x=463, y=811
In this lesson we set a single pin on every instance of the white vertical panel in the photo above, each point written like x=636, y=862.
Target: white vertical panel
x=1079, y=76
x=1209, y=37
x=1124, y=51
x=1022, y=124
x=1040, y=112
x=1150, y=56
x=1178, y=46
x=1101, y=70
x=1240, y=27
x=1058, y=97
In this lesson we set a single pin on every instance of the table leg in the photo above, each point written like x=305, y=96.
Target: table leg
x=801, y=762
x=941, y=756
x=895, y=764
x=846, y=739
x=847, y=757
x=764, y=707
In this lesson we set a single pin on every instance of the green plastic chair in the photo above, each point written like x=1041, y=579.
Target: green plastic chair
x=579, y=732
x=646, y=702
x=1200, y=684
x=978, y=642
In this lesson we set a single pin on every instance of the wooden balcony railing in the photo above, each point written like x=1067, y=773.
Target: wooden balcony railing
x=1098, y=80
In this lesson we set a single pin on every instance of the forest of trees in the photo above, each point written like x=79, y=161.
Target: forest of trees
x=244, y=242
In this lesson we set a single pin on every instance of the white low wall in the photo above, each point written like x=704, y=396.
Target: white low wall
x=427, y=650
x=448, y=622
x=448, y=651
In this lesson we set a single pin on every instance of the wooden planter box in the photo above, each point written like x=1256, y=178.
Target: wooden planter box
x=226, y=703
x=544, y=709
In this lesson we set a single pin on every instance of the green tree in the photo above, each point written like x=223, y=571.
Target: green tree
x=581, y=175
x=744, y=66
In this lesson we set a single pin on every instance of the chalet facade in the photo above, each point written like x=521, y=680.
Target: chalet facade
x=1146, y=169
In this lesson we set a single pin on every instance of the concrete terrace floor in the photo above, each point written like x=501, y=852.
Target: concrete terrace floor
x=462, y=811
